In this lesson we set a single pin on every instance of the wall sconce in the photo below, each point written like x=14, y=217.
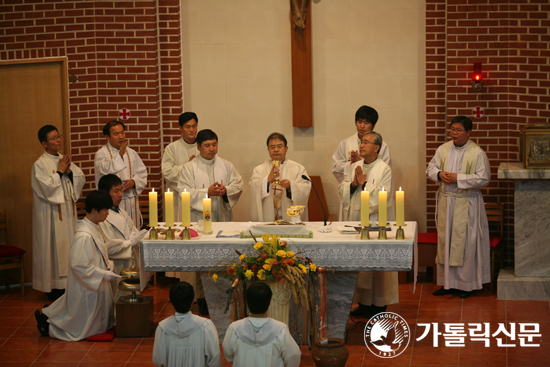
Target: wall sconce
x=477, y=80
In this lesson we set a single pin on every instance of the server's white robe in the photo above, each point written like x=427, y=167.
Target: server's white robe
x=341, y=164
x=253, y=342
x=108, y=161
x=377, y=288
x=186, y=340
x=117, y=229
x=476, y=268
x=53, y=220
x=261, y=201
x=175, y=156
x=87, y=307
x=199, y=174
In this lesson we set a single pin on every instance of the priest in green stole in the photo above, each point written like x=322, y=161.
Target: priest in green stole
x=461, y=168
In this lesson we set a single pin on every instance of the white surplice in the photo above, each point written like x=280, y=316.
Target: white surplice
x=199, y=174
x=108, y=161
x=186, y=340
x=175, y=156
x=261, y=201
x=341, y=164
x=53, y=220
x=476, y=268
x=253, y=342
x=377, y=288
x=87, y=307
x=117, y=229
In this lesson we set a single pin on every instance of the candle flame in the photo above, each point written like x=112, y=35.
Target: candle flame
x=206, y=196
x=399, y=188
x=153, y=190
x=383, y=188
x=184, y=190
x=168, y=190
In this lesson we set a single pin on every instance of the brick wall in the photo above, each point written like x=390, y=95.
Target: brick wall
x=511, y=39
x=125, y=54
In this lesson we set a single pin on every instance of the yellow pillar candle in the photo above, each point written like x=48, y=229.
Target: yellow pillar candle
x=153, y=209
x=382, y=208
x=400, y=208
x=207, y=215
x=365, y=209
x=185, y=208
x=169, y=208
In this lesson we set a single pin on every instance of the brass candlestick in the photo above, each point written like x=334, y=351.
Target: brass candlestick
x=400, y=234
x=153, y=234
x=365, y=235
x=186, y=234
x=382, y=233
x=170, y=234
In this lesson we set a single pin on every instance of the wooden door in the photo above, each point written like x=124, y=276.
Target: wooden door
x=33, y=93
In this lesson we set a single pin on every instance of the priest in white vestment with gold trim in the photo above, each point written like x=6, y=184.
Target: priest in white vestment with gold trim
x=209, y=174
x=374, y=289
x=461, y=168
x=118, y=158
x=294, y=190
x=57, y=185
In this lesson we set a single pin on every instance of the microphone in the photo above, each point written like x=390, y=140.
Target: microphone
x=320, y=202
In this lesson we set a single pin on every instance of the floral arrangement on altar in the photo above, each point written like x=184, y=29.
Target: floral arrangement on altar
x=273, y=262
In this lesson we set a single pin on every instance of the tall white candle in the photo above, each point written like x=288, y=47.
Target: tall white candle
x=153, y=209
x=169, y=208
x=400, y=208
x=382, y=207
x=185, y=208
x=207, y=214
x=365, y=209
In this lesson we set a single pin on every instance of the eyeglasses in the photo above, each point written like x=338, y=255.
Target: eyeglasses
x=54, y=138
x=453, y=130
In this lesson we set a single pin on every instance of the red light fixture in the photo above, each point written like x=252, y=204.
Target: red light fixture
x=477, y=80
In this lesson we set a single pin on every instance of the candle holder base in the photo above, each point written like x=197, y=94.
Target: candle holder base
x=153, y=234
x=170, y=236
x=382, y=233
x=365, y=235
x=400, y=234
x=186, y=234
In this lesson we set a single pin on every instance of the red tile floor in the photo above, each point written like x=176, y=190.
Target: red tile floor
x=21, y=345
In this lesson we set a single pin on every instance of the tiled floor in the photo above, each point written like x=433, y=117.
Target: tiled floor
x=21, y=345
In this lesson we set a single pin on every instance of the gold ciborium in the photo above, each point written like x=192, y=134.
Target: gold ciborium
x=130, y=283
x=294, y=213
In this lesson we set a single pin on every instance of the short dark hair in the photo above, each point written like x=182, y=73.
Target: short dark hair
x=464, y=121
x=181, y=296
x=367, y=113
x=258, y=297
x=98, y=200
x=110, y=124
x=277, y=136
x=205, y=135
x=186, y=117
x=107, y=182
x=44, y=131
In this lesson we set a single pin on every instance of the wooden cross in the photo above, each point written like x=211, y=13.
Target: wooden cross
x=302, y=74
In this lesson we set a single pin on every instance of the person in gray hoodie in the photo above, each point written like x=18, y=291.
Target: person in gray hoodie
x=186, y=339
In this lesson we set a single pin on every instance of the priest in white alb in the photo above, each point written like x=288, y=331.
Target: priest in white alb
x=178, y=153
x=87, y=308
x=348, y=150
x=56, y=184
x=121, y=235
x=268, y=201
x=461, y=168
x=209, y=174
x=374, y=289
x=117, y=158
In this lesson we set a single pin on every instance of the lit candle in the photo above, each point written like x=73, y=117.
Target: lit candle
x=185, y=208
x=400, y=208
x=365, y=208
x=382, y=207
x=207, y=215
x=153, y=209
x=169, y=208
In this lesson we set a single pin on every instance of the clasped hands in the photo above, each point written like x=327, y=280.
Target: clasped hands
x=216, y=189
x=64, y=164
x=355, y=156
x=448, y=177
x=274, y=174
x=359, y=178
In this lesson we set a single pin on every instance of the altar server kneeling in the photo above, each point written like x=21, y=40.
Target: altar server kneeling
x=186, y=339
x=87, y=307
x=259, y=340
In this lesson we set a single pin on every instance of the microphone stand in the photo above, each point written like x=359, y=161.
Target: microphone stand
x=320, y=202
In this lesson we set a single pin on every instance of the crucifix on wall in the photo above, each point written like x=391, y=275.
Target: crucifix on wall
x=302, y=75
